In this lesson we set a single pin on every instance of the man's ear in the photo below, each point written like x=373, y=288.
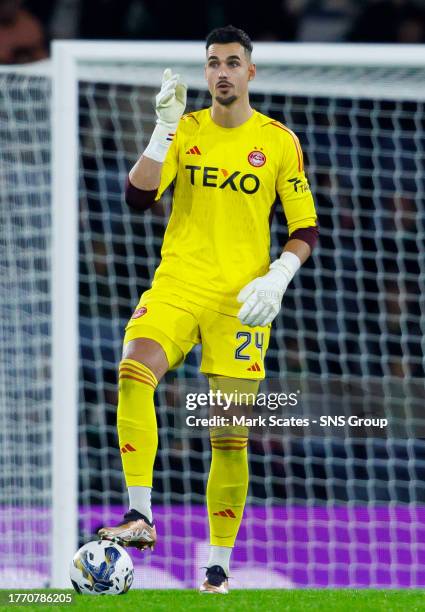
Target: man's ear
x=252, y=71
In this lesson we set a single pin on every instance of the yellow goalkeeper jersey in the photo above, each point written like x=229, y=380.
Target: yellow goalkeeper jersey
x=225, y=184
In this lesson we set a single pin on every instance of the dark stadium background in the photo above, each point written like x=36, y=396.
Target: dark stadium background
x=391, y=21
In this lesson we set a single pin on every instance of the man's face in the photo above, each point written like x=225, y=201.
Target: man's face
x=228, y=71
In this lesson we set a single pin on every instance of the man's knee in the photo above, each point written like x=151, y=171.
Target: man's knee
x=235, y=390
x=237, y=397
x=148, y=352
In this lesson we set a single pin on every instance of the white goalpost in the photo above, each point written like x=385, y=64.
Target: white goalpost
x=329, y=506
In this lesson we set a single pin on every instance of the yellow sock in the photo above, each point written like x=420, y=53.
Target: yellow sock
x=227, y=486
x=228, y=479
x=136, y=420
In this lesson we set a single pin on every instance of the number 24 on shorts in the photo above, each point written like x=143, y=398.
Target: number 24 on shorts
x=247, y=338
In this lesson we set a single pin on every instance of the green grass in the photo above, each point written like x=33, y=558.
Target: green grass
x=345, y=600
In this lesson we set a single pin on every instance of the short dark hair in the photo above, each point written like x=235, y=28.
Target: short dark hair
x=229, y=34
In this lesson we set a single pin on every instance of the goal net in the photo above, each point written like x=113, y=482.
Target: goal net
x=25, y=329
x=334, y=504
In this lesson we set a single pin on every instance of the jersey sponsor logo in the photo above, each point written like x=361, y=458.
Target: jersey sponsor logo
x=228, y=513
x=254, y=368
x=209, y=176
x=139, y=312
x=299, y=185
x=193, y=151
x=257, y=158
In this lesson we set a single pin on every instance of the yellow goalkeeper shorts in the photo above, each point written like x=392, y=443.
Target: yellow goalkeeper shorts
x=228, y=347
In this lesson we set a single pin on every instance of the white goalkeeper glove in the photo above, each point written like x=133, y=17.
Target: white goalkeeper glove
x=262, y=297
x=169, y=106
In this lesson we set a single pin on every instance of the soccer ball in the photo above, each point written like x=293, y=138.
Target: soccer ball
x=101, y=567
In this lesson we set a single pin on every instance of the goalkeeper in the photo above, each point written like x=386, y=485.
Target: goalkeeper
x=215, y=284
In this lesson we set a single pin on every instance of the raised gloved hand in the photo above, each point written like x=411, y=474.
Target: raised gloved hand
x=171, y=100
x=262, y=297
x=169, y=107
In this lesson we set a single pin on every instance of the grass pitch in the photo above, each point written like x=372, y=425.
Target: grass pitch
x=344, y=600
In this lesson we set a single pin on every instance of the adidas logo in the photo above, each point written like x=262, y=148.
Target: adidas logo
x=254, y=368
x=127, y=449
x=228, y=513
x=193, y=151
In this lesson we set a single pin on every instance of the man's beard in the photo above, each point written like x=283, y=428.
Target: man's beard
x=226, y=101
